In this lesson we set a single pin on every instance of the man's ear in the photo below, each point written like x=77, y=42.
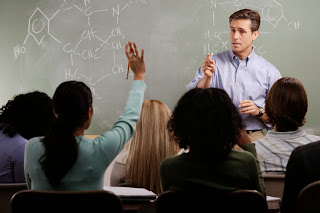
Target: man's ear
x=255, y=35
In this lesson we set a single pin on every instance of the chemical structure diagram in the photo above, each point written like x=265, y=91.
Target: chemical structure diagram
x=271, y=13
x=39, y=28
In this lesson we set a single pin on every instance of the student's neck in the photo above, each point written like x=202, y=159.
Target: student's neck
x=78, y=132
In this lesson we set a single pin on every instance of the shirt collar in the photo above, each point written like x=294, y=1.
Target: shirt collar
x=286, y=135
x=248, y=59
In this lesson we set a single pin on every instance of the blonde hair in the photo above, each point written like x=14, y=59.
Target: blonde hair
x=149, y=146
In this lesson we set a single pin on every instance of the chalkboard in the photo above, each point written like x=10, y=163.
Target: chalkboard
x=46, y=42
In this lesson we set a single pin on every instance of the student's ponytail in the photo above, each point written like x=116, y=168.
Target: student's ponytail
x=71, y=103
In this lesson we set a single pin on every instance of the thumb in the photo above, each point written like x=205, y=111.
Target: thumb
x=208, y=55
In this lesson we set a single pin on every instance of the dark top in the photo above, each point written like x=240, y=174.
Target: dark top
x=303, y=168
x=238, y=170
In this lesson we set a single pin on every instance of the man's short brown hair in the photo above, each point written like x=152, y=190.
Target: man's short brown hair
x=247, y=14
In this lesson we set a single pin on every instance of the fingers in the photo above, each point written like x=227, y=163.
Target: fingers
x=208, y=63
x=136, y=49
x=208, y=73
x=246, y=103
x=133, y=50
x=142, y=54
x=127, y=51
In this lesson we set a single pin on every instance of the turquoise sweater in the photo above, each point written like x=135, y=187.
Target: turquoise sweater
x=94, y=155
x=239, y=170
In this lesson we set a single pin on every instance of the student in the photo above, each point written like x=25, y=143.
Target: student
x=206, y=122
x=244, y=75
x=66, y=160
x=303, y=168
x=25, y=116
x=286, y=106
x=138, y=163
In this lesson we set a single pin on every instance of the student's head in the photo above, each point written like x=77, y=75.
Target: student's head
x=206, y=121
x=72, y=102
x=244, y=29
x=28, y=114
x=72, y=105
x=287, y=104
x=150, y=145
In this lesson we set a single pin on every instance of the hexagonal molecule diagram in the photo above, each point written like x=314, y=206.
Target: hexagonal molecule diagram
x=39, y=26
x=273, y=13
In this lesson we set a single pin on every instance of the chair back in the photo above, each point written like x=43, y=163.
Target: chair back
x=238, y=201
x=308, y=198
x=37, y=201
x=249, y=201
x=274, y=184
x=7, y=190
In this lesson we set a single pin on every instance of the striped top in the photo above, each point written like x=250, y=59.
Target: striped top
x=274, y=149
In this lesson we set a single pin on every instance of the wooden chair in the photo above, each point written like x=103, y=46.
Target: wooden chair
x=7, y=190
x=248, y=201
x=274, y=184
x=308, y=200
x=37, y=201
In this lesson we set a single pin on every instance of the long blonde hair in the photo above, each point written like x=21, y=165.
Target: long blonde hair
x=149, y=146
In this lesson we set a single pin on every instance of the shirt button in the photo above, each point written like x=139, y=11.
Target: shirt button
x=236, y=98
x=238, y=84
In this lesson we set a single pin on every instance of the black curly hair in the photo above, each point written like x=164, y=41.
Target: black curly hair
x=28, y=114
x=206, y=121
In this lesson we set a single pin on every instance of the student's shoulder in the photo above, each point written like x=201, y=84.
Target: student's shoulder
x=36, y=141
x=177, y=159
x=243, y=155
x=307, y=148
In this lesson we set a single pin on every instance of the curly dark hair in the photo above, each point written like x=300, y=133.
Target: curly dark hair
x=71, y=102
x=287, y=104
x=206, y=121
x=28, y=114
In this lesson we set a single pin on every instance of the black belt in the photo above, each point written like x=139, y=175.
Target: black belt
x=255, y=130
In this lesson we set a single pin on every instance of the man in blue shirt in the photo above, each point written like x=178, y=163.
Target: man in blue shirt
x=244, y=75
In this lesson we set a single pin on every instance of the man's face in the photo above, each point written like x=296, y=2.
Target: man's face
x=241, y=37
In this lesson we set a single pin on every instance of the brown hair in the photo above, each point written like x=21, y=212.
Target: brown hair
x=247, y=14
x=287, y=104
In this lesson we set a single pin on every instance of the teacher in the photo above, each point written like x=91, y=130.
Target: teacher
x=244, y=75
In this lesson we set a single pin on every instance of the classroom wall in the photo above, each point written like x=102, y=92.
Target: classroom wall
x=44, y=43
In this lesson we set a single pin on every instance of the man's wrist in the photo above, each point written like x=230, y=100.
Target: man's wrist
x=261, y=111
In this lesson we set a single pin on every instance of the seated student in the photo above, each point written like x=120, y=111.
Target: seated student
x=66, y=160
x=139, y=162
x=206, y=122
x=25, y=116
x=303, y=168
x=286, y=107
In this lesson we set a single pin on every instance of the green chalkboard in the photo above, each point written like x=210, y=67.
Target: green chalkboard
x=46, y=42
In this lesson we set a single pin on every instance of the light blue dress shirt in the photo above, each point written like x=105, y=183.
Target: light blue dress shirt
x=247, y=79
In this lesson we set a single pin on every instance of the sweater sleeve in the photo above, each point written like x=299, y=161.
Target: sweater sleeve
x=114, y=140
x=252, y=149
